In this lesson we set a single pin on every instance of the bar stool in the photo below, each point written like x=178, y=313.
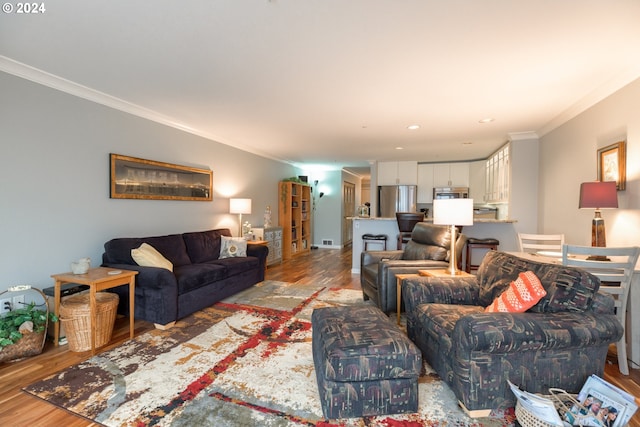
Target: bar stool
x=406, y=222
x=374, y=238
x=473, y=243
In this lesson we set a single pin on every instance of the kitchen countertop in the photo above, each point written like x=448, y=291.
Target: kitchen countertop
x=478, y=220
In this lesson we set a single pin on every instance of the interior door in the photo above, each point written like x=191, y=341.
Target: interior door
x=348, y=211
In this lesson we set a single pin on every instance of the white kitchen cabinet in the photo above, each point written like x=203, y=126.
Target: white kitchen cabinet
x=441, y=175
x=387, y=173
x=476, y=181
x=408, y=173
x=459, y=174
x=394, y=173
x=425, y=183
x=497, y=176
x=451, y=174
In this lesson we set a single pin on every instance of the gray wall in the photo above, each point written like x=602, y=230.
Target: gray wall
x=54, y=181
x=568, y=158
x=327, y=216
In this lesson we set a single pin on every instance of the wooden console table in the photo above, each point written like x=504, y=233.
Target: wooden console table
x=98, y=279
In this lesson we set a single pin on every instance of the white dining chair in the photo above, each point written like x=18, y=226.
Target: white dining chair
x=533, y=243
x=614, y=267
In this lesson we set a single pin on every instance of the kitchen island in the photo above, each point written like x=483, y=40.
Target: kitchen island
x=501, y=229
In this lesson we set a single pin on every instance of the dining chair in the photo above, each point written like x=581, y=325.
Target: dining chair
x=532, y=243
x=614, y=267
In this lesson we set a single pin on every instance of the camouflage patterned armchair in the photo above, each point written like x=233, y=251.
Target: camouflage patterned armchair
x=559, y=342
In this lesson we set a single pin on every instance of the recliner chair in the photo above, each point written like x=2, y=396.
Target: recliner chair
x=429, y=248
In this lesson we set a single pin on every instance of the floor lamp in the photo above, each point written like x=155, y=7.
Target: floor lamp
x=598, y=195
x=453, y=212
x=313, y=210
x=240, y=206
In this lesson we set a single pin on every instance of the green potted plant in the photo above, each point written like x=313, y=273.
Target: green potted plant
x=22, y=331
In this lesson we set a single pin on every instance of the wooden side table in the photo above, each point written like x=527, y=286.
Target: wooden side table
x=443, y=273
x=98, y=279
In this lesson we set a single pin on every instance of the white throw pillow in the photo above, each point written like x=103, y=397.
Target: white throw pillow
x=233, y=247
x=147, y=256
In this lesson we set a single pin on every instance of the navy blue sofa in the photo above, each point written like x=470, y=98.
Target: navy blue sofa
x=198, y=280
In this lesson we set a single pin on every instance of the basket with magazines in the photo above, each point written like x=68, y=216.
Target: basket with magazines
x=599, y=404
x=563, y=403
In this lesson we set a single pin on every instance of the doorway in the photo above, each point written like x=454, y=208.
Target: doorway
x=348, y=211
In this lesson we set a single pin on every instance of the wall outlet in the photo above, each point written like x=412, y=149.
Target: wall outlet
x=5, y=305
x=17, y=302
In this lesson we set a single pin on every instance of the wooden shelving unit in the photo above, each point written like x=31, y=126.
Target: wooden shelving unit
x=294, y=216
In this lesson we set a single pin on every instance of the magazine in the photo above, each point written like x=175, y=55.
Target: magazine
x=543, y=408
x=602, y=404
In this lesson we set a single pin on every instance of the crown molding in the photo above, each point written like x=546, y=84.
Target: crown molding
x=520, y=136
x=44, y=78
x=613, y=85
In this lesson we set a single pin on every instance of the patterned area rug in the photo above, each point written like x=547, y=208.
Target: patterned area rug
x=245, y=361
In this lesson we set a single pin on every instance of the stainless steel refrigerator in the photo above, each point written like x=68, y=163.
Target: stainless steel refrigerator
x=396, y=198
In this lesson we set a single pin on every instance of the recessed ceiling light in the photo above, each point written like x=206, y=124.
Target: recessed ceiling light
x=413, y=127
x=399, y=148
x=487, y=120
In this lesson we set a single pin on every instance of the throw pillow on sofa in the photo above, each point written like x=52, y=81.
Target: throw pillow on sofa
x=233, y=247
x=147, y=256
x=522, y=294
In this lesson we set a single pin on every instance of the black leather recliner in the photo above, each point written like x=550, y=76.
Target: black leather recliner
x=429, y=248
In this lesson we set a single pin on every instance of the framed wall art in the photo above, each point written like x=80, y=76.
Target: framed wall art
x=612, y=164
x=134, y=178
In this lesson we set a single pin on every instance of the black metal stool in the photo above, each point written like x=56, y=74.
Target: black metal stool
x=374, y=238
x=406, y=222
x=473, y=243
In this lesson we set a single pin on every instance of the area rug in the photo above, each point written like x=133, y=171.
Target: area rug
x=245, y=361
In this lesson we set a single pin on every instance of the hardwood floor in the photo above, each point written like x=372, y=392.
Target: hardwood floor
x=331, y=267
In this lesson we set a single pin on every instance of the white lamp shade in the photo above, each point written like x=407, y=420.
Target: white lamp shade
x=240, y=206
x=453, y=211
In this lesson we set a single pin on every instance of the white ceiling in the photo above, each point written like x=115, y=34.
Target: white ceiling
x=335, y=81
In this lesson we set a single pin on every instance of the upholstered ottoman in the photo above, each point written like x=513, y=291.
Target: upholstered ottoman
x=365, y=365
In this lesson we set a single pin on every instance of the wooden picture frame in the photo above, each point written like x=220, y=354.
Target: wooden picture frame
x=134, y=178
x=612, y=164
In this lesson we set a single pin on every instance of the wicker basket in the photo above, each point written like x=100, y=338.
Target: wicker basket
x=75, y=315
x=31, y=344
x=527, y=419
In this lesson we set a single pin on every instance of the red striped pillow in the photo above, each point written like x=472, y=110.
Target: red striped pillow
x=520, y=296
